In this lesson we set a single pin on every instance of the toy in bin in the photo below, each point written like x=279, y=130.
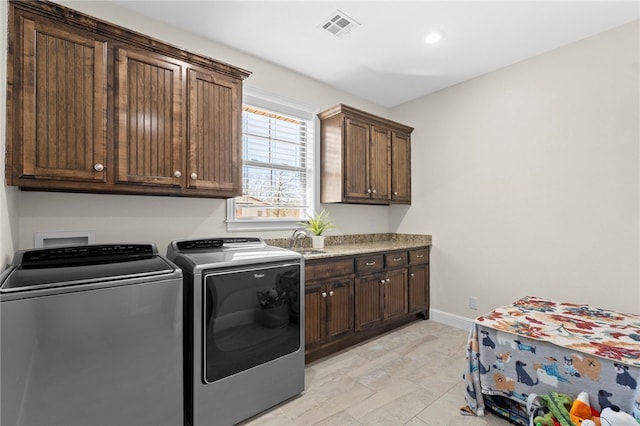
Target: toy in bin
x=563, y=411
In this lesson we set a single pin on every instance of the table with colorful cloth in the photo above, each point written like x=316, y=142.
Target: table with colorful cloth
x=540, y=346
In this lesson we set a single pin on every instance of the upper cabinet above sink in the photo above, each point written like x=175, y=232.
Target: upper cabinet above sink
x=364, y=159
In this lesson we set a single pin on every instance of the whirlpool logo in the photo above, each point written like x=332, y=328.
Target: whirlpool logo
x=258, y=276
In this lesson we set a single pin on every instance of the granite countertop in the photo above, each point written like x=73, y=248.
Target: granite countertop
x=348, y=245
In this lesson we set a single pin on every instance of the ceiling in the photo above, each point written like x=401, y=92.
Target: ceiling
x=383, y=57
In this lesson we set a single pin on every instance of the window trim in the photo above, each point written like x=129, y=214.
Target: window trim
x=278, y=103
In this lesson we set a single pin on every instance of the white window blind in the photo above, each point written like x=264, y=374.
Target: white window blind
x=277, y=149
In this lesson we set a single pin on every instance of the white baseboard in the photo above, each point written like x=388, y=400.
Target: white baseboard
x=452, y=320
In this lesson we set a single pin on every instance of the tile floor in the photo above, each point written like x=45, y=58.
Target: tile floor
x=411, y=376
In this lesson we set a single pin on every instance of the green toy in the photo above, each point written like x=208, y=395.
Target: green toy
x=559, y=405
x=546, y=420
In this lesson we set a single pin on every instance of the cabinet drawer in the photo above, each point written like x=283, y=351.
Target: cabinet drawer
x=372, y=263
x=419, y=256
x=398, y=258
x=324, y=269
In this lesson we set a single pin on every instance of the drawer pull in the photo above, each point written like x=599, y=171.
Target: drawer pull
x=397, y=259
x=370, y=263
x=419, y=256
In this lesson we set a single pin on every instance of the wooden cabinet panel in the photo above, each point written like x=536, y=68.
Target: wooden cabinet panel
x=328, y=268
x=213, y=132
x=368, y=301
x=339, y=317
x=419, y=288
x=60, y=105
x=369, y=264
x=314, y=315
x=379, y=163
x=395, y=293
x=401, y=170
x=356, y=159
x=396, y=259
x=149, y=119
x=419, y=256
x=328, y=311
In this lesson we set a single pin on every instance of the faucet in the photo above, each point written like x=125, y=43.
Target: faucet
x=298, y=235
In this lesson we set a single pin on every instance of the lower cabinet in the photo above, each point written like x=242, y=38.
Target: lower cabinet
x=380, y=297
x=353, y=298
x=329, y=311
x=419, y=281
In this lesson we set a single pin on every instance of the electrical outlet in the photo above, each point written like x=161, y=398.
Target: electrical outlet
x=473, y=302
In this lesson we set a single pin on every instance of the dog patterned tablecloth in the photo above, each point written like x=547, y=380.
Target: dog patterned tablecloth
x=540, y=346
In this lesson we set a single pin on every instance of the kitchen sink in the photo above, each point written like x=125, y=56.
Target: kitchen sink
x=309, y=251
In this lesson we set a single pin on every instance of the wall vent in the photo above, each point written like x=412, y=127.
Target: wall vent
x=338, y=23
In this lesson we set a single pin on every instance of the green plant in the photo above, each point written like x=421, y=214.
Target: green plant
x=318, y=223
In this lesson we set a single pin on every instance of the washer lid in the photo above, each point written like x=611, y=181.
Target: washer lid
x=78, y=265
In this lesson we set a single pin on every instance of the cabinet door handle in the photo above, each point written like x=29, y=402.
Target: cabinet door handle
x=324, y=294
x=397, y=259
x=194, y=176
x=98, y=167
x=177, y=173
x=382, y=281
x=413, y=275
x=369, y=191
x=374, y=191
x=331, y=293
x=388, y=279
x=395, y=192
x=370, y=263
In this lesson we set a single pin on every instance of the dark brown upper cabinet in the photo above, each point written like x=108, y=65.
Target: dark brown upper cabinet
x=364, y=159
x=94, y=107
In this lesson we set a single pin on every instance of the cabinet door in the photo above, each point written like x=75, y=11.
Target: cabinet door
x=400, y=168
x=379, y=163
x=213, y=137
x=314, y=315
x=149, y=119
x=339, y=309
x=60, y=105
x=368, y=301
x=419, y=288
x=356, y=151
x=395, y=293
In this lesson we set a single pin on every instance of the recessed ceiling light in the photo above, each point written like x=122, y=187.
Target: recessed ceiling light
x=433, y=37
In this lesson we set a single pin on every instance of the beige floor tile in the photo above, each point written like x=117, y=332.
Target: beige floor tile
x=411, y=376
x=393, y=390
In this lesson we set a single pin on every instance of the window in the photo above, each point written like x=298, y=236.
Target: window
x=277, y=164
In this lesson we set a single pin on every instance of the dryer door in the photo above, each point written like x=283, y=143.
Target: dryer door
x=251, y=316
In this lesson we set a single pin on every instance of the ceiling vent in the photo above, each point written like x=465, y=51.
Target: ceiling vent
x=338, y=23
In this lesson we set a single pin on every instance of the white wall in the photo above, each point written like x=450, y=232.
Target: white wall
x=528, y=179
x=117, y=218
